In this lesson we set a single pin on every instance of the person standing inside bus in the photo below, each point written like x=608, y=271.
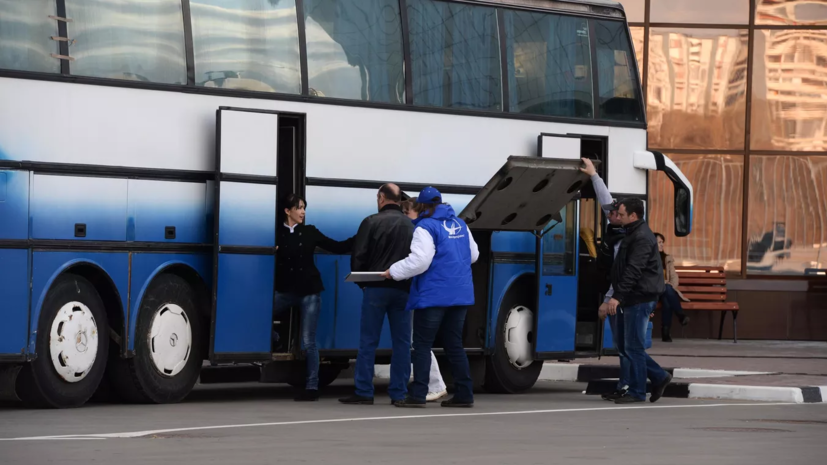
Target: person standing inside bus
x=299, y=283
x=436, y=385
x=637, y=283
x=442, y=252
x=383, y=239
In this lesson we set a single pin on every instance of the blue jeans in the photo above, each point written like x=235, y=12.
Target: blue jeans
x=671, y=304
x=634, y=321
x=617, y=336
x=376, y=303
x=310, y=306
x=450, y=321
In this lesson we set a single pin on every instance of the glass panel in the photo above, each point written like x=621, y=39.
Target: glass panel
x=789, y=91
x=25, y=31
x=718, y=210
x=699, y=11
x=549, y=66
x=792, y=12
x=455, y=55
x=354, y=49
x=246, y=44
x=616, y=81
x=559, y=243
x=787, y=224
x=637, y=40
x=635, y=10
x=139, y=40
x=697, y=88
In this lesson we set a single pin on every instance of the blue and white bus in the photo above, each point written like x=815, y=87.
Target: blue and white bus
x=145, y=144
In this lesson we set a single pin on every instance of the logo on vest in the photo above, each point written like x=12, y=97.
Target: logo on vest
x=453, y=229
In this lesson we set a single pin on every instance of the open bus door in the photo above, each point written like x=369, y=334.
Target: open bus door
x=532, y=195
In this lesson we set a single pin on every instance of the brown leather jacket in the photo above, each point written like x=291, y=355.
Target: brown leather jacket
x=672, y=276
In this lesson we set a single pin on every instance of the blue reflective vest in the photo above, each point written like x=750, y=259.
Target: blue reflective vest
x=447, y=282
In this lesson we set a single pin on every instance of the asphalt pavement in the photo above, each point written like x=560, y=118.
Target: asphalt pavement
x=553, y=423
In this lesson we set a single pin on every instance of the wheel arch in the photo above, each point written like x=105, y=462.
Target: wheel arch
x=102, y=282
x=186, y=272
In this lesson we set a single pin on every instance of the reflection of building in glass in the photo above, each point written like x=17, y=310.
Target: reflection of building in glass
x=790, y=104
x=697, y=84
x=791, y=12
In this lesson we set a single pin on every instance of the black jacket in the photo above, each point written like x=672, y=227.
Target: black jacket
x=637, y=271
x=606, y=254
x=296, y=270
x=383, y=239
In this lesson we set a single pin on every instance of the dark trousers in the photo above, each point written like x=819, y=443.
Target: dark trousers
x=634, y=321
x=671, y=304
x=376, y=303
x=447, y=321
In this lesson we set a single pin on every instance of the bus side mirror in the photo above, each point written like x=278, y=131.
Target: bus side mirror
x=683, y=189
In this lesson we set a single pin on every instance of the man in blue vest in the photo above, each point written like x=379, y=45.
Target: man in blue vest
x=442, y=251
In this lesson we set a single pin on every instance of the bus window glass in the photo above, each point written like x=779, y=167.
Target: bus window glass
x=455, y=55
x=559, y=244
x=246, y=44
x=617, y=82
x=139, y=40
x=549, y=66
x=25, y=31
x=354, y=50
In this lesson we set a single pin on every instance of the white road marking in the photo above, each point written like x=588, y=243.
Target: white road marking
x=137, y=434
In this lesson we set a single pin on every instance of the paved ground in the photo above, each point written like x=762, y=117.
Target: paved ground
x=554, y=423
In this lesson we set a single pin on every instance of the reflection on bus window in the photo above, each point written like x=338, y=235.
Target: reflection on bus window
x=455, y=55
x=559, y=244
x=616, y=80
x=549, y=70
x=139, y=40
x=25, y=31
x=246, y=44
x=354, y=50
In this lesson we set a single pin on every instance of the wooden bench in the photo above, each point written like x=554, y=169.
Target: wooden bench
x=705, y=287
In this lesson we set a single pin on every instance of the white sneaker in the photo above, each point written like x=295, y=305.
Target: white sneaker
x=434, y=396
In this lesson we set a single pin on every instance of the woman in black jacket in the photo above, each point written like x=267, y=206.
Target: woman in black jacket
x=298, y=281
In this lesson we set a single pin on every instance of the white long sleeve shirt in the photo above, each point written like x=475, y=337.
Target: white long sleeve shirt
x=604, y=198
x=422, y=254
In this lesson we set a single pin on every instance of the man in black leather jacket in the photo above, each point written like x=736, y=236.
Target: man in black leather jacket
x=383, y=239
x=637, y=283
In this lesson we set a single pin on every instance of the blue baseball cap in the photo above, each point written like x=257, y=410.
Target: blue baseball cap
x=429, y=195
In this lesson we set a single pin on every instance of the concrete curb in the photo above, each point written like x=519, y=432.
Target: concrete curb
x=585, y=373
x=684, y=390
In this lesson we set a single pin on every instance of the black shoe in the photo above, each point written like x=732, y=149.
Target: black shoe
x=683, y=319
x=453, y=402
x=627, y=399
x=408, y=403
x=615, y=395
x=308, y=395
x=665, y=334
x=657, y=391
x=357, y=400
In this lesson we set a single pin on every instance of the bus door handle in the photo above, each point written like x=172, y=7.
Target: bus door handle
x=548, y=289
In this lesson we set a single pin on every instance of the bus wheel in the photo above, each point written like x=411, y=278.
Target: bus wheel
x=168, y=345
x=72, y=346
x=512, y=368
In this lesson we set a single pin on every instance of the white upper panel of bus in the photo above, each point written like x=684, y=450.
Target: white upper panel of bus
x=86, y=124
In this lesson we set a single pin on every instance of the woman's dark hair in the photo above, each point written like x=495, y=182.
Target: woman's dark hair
x=427, y=210
x=293, y=201
x=663, y=255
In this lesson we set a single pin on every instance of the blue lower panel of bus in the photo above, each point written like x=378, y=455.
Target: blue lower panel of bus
x=14, y=204
x=341, y=312
x=244, y=309
x=557, y=315
x=146, y=266
x=14, y=308
x=46, y=266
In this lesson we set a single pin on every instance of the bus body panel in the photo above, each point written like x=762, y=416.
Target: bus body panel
x=244, y=306
x=14, y=204
x=156, y=205
x=146, y=266
x=14, y=309
x=46, y=266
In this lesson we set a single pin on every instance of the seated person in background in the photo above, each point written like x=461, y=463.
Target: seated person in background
x=671, y=297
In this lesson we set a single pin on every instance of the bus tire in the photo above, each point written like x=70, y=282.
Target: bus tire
x=72, y=347
x=507, y=373
x=168, y=345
